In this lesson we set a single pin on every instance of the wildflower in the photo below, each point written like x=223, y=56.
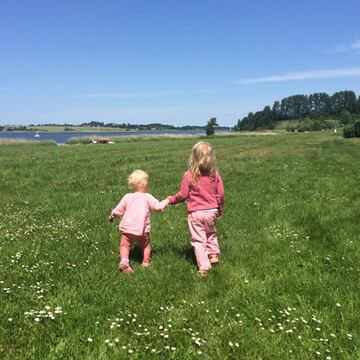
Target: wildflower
x=338, y=305
x=89, y=340
x=10, y=319
x=231, y=344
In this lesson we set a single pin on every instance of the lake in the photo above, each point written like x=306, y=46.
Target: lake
x=61, y=137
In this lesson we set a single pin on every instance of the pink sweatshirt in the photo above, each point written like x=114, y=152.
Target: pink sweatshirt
x=134, y=208
x=207, y=194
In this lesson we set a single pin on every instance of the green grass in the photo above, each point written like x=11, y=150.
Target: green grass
x=287, y=286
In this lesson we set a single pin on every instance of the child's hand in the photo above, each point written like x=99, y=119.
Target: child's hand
x=111, y=219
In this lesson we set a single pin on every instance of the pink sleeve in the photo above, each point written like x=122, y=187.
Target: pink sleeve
x=120, y=209
x=156, y=205
x=220, y=192
x=183, y=192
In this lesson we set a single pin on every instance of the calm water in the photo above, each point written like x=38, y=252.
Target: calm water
x=62, y=137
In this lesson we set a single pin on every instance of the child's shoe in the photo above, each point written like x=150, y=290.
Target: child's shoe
x=214, y=259
x=125, y=267
x=202, y=273
x=145, y=264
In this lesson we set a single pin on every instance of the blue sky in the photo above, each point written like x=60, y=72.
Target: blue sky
x=174, y=62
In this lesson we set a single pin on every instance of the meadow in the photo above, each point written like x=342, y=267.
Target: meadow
x=287, y=286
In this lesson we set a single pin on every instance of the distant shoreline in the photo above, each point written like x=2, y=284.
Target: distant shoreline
x=87, y=129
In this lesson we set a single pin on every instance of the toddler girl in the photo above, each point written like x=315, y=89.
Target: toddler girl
x=134, y=208
x=203, y=189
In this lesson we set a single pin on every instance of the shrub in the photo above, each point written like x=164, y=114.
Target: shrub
x=352, y=131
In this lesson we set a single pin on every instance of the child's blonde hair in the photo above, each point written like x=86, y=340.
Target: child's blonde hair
x=137, y=179
x=202, y=160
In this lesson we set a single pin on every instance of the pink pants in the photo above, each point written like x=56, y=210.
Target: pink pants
x=125, y=247
x=203, y=236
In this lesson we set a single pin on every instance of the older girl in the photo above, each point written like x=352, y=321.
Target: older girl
x=202, y=187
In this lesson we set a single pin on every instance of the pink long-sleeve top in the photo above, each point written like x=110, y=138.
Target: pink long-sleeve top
x=134, y=208
x=207, y=194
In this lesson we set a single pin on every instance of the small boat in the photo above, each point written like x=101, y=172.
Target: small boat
x=37, y=135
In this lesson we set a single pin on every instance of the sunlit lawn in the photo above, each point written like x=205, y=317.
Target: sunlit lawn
x=288, y=283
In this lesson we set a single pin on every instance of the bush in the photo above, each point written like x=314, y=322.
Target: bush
x=352, y=131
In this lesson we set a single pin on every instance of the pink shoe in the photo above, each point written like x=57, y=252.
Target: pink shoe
x=214, y=259
x=125, y=267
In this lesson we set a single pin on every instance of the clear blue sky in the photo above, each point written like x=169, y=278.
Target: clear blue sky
x=175, y=62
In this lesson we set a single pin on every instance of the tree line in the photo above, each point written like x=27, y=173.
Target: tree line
x=340, y=105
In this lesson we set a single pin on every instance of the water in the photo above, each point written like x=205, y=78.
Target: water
x=61, y=137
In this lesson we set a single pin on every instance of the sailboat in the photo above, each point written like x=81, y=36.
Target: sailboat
x=37, y=135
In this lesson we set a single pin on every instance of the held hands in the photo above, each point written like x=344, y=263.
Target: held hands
x=167, y=200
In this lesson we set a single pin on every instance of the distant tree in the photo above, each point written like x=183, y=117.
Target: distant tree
x=210, y=126
x=276, y=109
x=345, y=117
x=319, y=106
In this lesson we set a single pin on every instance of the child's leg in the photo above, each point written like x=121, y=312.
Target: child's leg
x=146, y=250
x=198, y=240
x=124, y=252
x=212, y=244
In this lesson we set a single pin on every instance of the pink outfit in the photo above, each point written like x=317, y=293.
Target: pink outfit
x=205, y=202
x=125, y=247
x=134, y=208
x=203, y=237
x=207, y=194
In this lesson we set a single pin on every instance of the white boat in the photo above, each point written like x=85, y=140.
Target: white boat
x=37, y=135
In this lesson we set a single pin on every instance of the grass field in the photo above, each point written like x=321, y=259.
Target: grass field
x=288, y=283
